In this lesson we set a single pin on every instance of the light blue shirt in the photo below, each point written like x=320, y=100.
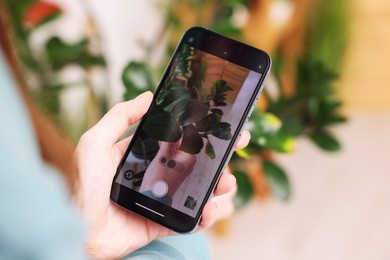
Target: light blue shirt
x=37, y=220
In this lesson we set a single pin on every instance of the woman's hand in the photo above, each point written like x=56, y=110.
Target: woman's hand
x=112, y=231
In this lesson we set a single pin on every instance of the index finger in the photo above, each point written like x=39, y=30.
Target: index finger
x=118, y=119
x=243, y=140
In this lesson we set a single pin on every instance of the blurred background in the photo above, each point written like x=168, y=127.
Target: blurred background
x=314, y=181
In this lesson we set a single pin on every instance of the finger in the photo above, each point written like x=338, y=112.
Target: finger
x=225, y=204
x=208, y=215
x=243, y=140
x=120, y=117
x=120, y=149
x=226, y=183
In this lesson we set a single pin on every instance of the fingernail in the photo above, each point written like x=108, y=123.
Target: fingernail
x=145, y=94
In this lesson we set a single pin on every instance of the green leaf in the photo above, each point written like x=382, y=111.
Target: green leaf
x=263, y=123
x=279, y=142
x=331, y=120
x=314, y=80
x=313, y=106
x=204, y=90
x=325, y=141
x=331, y=104
x=244, y=189
x=177, y=108
x=244, y=153
x=222, y=130
x=139, y=175
x=137, y=78
x=173, y=19
x=225, y=27
x=327, y=37
x=61, y=54
x=195, y=110
x=182, y=67
x=174, y=100
x=220, y=104
x=277, y=63
x=208, y=122
x=197, y=92
x=219, y=88
x=328, y=113
x=237, y=2
x=217, y=111
x=192, y=142
x=266, y=130
x=213, y=89
x=209, y=150
x=161, y=126
x=292, y=124
x=277, y=180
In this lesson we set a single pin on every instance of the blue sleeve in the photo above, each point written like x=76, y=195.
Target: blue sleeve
x=37, y=220
x=193, y=246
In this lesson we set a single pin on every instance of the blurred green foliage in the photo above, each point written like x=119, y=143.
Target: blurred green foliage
x=309, y=112
x=60, y=54
x=277, y=180
x=245, y=191
x=42, y=68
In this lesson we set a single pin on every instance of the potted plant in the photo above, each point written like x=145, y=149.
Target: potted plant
x=186, y=109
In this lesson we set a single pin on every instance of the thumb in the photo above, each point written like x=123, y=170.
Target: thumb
x=120, y=117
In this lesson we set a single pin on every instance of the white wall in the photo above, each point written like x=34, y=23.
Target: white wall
x=124, y=24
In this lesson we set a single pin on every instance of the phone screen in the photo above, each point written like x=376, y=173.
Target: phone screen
x=179, y=147
x=186, y=138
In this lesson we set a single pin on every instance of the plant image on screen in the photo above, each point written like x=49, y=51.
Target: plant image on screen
x=189, y=127
x=186, y=109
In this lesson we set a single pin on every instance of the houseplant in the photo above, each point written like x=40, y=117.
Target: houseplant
x=307, y=57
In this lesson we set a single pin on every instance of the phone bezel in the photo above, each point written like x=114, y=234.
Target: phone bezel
x=215, y=44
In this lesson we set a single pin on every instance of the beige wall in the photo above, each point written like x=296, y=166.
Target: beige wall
x=365, y=82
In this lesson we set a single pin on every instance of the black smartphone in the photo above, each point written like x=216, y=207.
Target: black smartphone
x=187, y=137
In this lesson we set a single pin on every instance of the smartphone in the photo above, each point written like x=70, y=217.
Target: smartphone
x=187, y=137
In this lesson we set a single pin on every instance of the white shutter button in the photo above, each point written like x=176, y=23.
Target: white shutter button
x=160, y=188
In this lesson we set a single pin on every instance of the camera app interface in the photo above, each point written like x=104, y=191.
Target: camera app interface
x=181, y=144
